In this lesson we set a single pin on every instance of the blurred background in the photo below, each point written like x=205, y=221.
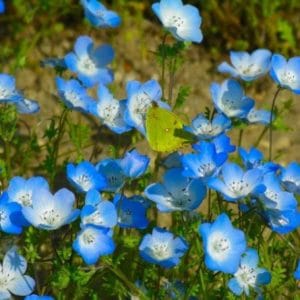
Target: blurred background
x=33, y=30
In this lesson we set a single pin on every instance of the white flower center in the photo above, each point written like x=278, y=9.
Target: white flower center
x=74, y=98
x=246, y=276
x=5, y=279
x=94, y=218
x=88, y=238
x=218, y=246
x=250, y=69
x=84, y=181
x=50, y=217
x=4, y=93
x=238, y=187
x=141, y=105
x=161, y=251
x=24, y=198
x=288, y=77
x=206, y=169
x=175, y=21
x=87, y=66
x=271, y=195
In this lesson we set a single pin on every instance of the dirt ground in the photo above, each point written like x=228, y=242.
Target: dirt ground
x=134, y=44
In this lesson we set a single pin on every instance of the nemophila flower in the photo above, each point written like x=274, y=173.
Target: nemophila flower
x=27, y=106
x=49, y=211
x=2, y=6
x=222, y=144
x=73, y=94
x=229, y=98
x=280, y=221
x=132, y=211
x=110, y=111
x=274, y=197
x=104, y=214
x=286, y=73
x=290, y=178
x=183, y=21
x=162, y=248
x=204, y=164
x=93, y=242
x=85, y=177
x=234, y=183
x=12, y=276
x=297, y=272
x=223, y=245
x=134, y=164
x=177, y=192
x=7, y=212
x=8, y=91
x=90, y=63
x=247, y=66
x=204, y=128
x=139, y=98
x=251, y=159
x=259, y=116
x=37, y=297
x=249, y=275
x=98, y=15
x=22, y=190
x=113, y=173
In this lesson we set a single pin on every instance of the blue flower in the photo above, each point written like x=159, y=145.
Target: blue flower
x=247, y=66
x=177, y=192
x=183, y=21
x=12, y=278
x=134, y=164
x=73, y=94
x=251, y=159
x=274, y=197
x=204, y=164
x=286, y=73
x=98, y=15
x=236, y=183
x=93, y=242
x=8, y=91
x=132, y=212
x=282, y=222
x=102, y=213
x=49, y=211
x=290, y=178
x=208, y=129
x=229, y=98
x=89, y=63
x=85, y=177
x=222, y=144
x=110, y=111
x=249, y=275
x=2, y=6
x=140, y=97
x=297, y=272
x=37, y=297
x=173, y=160
x=8, y=212
x=113, y=174
x=162, y=248
x=259, y=116
x=27, y=106
x=22, y=190
x=223, y=245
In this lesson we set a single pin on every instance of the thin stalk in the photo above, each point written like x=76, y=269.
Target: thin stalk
x=163, y=64
x=209, y=205
x=271, y=123
x=240, y=137
x=7, y=153
x=260, y=137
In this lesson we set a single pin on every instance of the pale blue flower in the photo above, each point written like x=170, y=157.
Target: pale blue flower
x=183, y=21
x=247, y=66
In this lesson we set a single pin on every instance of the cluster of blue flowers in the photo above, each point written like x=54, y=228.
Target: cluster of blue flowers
x=256, y=184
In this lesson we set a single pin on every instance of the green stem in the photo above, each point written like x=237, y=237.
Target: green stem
x=240, y=137
x=256, y=144
x=7, y=150
x=271, y=123
x=163, y=62
x=209, y=205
